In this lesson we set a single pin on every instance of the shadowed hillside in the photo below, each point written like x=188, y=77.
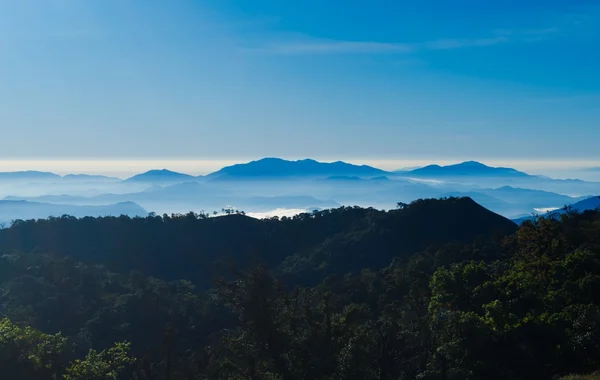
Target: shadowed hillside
x=439, y=290
x=187, y=246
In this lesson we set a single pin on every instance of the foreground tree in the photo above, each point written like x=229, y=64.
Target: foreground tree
x=105, y=365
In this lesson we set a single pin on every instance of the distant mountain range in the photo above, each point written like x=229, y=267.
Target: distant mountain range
x=32, y=175
x=90, y=177
x=279, y=168
x=291, y=202
x=274, y=183
x=511, y=201
x=591, y=203
x=27, y=175
x=161, y=176
x=186, y=196
x=13, y=210
x=467, y=168
x=536, y=198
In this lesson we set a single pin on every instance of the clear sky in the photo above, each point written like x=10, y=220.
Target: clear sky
x=351, y=79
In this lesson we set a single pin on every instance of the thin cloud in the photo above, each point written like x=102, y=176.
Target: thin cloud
x=308, y=45
x=463, y=43
x=539, y=32
x=567, y=99
x=318, y=46
x=525, y=32
x=336, y=47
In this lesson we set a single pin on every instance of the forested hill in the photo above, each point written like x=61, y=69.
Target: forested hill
x=440, y=290
x=307, y=247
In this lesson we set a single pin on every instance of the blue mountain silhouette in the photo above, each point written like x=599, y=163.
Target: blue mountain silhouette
x=467, y=168
x=161, y=176
x=277, y=167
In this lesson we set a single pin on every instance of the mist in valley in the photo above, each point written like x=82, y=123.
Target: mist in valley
x=272, y=187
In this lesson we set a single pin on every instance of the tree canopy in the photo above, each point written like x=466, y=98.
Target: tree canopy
x=438, y=289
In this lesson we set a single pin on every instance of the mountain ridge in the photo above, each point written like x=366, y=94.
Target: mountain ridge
x=28, y=174
x=328, y=233
x=588, y=204
x=466, y=168
x=21, y=209
x=160, y=176
x=271, y=167
x=274, y=167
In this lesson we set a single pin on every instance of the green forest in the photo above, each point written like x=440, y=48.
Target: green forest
x=439, y=289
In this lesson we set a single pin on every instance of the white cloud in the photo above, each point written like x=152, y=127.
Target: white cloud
x=538, y=32
x=303, y=44
x=310, y=45
x=544, y=210
x=463, y=43
x=316, y=46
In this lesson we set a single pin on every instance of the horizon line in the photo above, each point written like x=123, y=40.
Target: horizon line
x=127, y=167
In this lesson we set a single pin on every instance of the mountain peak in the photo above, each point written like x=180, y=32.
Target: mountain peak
x=161, y=171
x=472, y=164
x=28, y=174
x=279, y=168
x=465, y=169
x=160, y=175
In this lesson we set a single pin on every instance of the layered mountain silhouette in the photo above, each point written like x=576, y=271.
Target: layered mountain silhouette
x=38, y=176
x=511, y=201
x=519, y=196
x=591, y=203
x=30, y=175
x=13, y=210
x=186, y=196
x=89, y=177
x=467, y=168
x=279, y=168
x=251, y=187
x=161, y=176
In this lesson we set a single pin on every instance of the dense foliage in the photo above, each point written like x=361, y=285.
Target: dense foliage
x=439, y=289
x=187, y=246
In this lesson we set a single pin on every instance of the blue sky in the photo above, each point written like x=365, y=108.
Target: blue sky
x=228, y=79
